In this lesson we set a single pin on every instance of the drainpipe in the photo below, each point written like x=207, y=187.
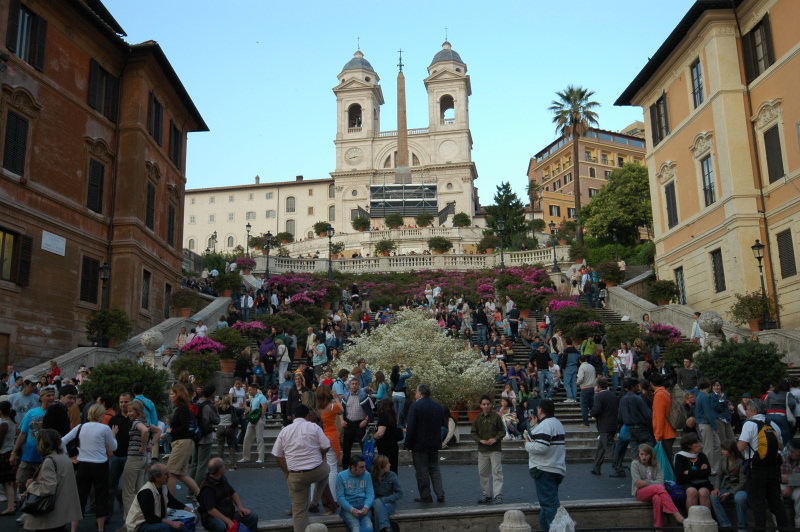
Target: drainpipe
x=762, y=199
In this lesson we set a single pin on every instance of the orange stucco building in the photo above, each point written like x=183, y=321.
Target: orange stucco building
x=93, y=159
x=721, y=113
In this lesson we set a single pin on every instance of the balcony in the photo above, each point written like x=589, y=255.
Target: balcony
x=589, y=159
x=448, y=121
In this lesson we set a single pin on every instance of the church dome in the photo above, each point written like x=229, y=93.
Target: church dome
x=446, y=54
x=358, y=63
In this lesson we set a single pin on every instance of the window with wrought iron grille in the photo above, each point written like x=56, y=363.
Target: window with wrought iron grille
x=707, y=171
x=718, y=270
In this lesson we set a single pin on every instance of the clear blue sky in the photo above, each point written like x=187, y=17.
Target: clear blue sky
x=261, y=72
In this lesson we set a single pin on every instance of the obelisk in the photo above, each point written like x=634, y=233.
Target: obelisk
x=402, y=170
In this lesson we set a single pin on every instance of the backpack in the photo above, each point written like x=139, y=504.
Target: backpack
x=677, y=415
x=765, y=455
x=194, y=427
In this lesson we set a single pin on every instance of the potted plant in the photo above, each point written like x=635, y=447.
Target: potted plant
x=233, y=342
x=488, y=243
x=461, y=219
x=424, y=219
x=360, y=223
x=226, y=284
x=336, y=249
x=439, y=244
x=186, y=301
x=201, y=365
x=246, y=264
x=578, y=253
x=284, y=237
x=750, y=308
x=107, y=327
x=663, y=291
x=394, y=220
x=258, y=242
x=610, y=273
x=321, y=228
x=385, y=246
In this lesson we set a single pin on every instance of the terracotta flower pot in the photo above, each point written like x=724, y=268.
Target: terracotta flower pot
x=472, y=414
x=184, y=312
x=227, y=365
x=754, y=324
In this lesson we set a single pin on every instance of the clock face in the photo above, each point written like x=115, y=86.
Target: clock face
x=353, y=155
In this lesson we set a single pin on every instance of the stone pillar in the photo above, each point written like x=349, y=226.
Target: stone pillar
x=700, y=520
x=514, y=521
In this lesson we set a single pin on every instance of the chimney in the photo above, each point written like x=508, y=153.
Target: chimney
x=258, y=180
x=298, y=178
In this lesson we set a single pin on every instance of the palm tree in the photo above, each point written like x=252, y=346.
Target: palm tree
x=573, y=115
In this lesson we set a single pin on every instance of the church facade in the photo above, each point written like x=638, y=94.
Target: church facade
x=406, y=171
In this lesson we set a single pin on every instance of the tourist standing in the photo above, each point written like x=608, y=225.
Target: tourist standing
x=488, y=431
x=546, y=446
x=604, y=411
x=424, y=439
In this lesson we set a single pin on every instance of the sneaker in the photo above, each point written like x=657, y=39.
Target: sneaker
x=259, y=461
x=618, y=474
x=485, y=500
x=242, y=461
x=498, y=500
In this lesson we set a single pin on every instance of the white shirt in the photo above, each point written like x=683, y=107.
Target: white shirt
x=202, y=330
x=96, y=440
x=238, y=396
x=750, y=434
x=301, y=444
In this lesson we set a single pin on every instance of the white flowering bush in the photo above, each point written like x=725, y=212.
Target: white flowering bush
x=454, y=373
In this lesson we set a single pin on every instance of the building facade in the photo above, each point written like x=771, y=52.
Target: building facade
x=407, y=171
x=92, y=180
x=551, y=169
x=722, y=136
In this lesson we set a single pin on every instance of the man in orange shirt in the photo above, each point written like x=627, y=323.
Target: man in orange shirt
x=662, y=401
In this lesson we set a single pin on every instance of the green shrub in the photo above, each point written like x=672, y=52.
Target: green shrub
x=232, y=340
x=644, y=255
x=119, y=377
x=675, y=352
x=462, y=219
x=394, y=220
x=360, y=223
x=284, y=236
x=321, y=228
x=621, y=332
x=440, y=244
x=201, y=365
x=743, y=366
x=424, y=219
x=568, y=318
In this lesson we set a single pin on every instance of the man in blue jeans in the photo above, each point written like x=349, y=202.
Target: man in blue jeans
x=570, y=369
x=219, y=503
x=546, y=446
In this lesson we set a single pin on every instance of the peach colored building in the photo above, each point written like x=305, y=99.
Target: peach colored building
x=93, y=157
x=601, y=153
x=721, y=113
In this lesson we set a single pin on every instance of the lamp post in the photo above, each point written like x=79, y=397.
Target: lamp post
x=105, y=275
x=330, y=232
x=553, y=241
x=501, y=226
x=247, y=243
x=758, y=253
x=267, y=245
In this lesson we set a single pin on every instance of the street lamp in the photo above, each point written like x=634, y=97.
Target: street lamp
x=758, y=253
x=501, y=225
x=552, y=226
x=247, y=243
x=105, y=275
x=330, y=232
x=267, y=245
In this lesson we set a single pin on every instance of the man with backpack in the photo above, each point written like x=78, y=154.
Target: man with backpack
x=760, y=444
x=207, y=418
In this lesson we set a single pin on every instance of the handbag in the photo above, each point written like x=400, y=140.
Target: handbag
x=39, y=504
x=625, y=433
x=663, y=462
x=72, y=447
x=676, y=493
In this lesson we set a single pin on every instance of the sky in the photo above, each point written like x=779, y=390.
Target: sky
x=261, y=73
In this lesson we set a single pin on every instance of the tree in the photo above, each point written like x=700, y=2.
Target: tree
x=621, y=206
x=573, y=115
x=742, y=366
x=508, y=207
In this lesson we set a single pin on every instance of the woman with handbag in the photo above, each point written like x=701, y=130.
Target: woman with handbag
x=647, y=485
x=56, y=480
x=97, y=442
x=387, y=435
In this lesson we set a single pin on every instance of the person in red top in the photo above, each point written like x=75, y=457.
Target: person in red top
x=662, y=402
x=54, y=372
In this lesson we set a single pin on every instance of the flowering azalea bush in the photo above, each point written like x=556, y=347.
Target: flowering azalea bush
x=662, y=335
x=248, y=326
x=558, y=304
x=453, y=372
x=588, y=328
x=245, y=263
x=527, y=286
x=203, y=344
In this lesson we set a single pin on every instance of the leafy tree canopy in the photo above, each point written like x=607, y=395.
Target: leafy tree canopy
x=508, y=207
x=742, y=366
x=621, y=207
x=119, y=376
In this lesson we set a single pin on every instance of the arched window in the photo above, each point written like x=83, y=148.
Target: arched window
x=290, y=204
x=354, y=117
x=230, y=242
x=414, y=160
x=191, y=243
x=211, y=242
x=447, y=109
x=332, y=213
x=310, y=234
x=290, y=227
x=331, y=191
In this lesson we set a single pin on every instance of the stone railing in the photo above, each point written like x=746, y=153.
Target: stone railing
x=91, y=356
x=682, y=316
x=401, y=263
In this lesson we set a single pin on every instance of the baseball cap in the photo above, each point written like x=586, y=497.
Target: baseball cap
x=47, y=389
x=30, y=378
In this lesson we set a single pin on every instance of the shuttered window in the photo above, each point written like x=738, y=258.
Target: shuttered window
x=774, y=153
x=103, y=91
x=90, y=278
x=672, y=205
x=171, y=224
x=15, y=144
x=786, y=254
x=15, y=257
x=718, y=270
x=94, y=194
x=145, y=300
x=175, y=144
x=757, y=50
x=150, y=213
x=26, y=35
x=659, y=122
x=155, y=119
